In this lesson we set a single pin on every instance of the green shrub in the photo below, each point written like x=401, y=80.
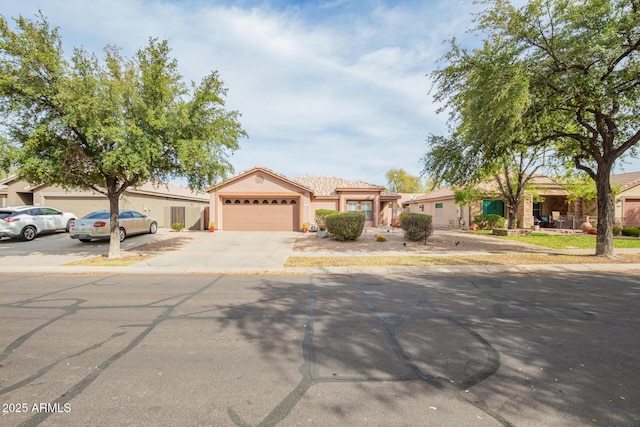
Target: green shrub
x=487, y=222
x=416, y=226
x=617, y=230
x=631, y=231
x=177, y=226
x=321, y=215
x=381, y=239
x=345, y=226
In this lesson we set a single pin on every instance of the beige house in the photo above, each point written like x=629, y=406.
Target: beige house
x=167, y=203
x=552, y=210
x=260, y=199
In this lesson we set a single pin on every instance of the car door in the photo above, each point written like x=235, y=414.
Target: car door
x=52, y=218
x=140, y=222
x=125, y=220
x=34, y=216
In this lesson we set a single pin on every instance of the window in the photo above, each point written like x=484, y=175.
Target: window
x=421, y=208
x=283, y=202
x=265, y=202
x=246, y=202
x=255, y=202
x=274, y=202
x=352, y=206
x=237, y=202
x=367, y=209
x=293, y=202
x=228, y=201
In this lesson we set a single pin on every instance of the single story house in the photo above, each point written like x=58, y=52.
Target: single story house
x=553, y=209
x=167, y=203
x=261, y=199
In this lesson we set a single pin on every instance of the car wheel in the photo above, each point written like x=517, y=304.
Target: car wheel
x=28, y=233
x=153, y=228
x=123, y=234
x=85, y=240
x=68, y=225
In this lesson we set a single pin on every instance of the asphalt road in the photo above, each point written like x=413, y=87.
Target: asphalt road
x=320, y=350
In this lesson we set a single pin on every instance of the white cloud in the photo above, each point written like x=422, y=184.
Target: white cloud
x=340, y=89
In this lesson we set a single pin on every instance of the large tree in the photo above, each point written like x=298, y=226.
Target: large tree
x=108, y=125
x=576, y=67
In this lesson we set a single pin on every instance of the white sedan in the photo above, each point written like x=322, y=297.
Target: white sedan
x=96, y=225
x=26, y=222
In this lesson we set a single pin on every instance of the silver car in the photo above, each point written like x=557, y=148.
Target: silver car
x=26, y=222
x=96, y=225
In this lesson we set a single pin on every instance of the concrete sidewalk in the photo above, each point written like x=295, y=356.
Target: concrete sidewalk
x=267, y=253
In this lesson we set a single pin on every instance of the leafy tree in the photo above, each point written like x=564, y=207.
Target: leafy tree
x=401, y=182
x=569, y=69
x=108, y=125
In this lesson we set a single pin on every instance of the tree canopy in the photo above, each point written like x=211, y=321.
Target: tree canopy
x=107, y=125
x=563, y=74
x=402, y=182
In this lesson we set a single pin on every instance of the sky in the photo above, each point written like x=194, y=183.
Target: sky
x=325, y=88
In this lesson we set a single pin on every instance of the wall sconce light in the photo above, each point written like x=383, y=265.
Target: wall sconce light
x=618, y=202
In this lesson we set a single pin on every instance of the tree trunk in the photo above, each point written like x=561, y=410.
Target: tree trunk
x=604, y=238
x=511, y=224
x=114, y=229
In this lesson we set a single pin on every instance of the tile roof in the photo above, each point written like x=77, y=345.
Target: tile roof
x=627, y=180
x=327, y=185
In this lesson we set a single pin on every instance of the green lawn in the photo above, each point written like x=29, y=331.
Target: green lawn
x=582, y=241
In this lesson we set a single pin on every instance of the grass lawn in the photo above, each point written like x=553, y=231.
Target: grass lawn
x=103, y=261
x=563, y=241
x=420, y=260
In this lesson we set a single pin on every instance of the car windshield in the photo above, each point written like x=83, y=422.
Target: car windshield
x=97, y=215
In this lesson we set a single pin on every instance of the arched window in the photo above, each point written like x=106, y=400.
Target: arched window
x=228, y=201
x=283, y=202
x=265, y=202
x=246, y=202
x=255, y=202
x=274, y=202
x=237, y=202
x=294, y=202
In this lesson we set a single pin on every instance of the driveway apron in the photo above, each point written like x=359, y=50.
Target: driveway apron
x=230, y=251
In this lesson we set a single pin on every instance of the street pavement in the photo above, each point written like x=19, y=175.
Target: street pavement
x=428, y=349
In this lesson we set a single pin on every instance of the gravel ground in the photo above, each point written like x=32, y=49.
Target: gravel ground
x=441, y=240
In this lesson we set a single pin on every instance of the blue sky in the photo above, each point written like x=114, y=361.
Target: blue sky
x=325, y=88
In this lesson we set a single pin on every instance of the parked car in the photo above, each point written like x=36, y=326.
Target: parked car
x=96, y=225
x=26, y=222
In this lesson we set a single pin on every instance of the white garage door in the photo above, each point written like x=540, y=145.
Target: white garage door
x=272, y=214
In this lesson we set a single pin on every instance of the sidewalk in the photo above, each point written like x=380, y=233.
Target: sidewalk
x=267, y=253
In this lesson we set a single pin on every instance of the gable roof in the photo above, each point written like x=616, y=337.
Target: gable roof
x=627, y=180
x=329, y=185
x=253, y=170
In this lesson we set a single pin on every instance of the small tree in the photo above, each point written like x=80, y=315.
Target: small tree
x=107, y=126
x=346, y=226
x=416, y=226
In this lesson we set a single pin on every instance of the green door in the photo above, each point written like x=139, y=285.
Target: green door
x=493, y=207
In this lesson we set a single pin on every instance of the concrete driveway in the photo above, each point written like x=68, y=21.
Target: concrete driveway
x=229, y=251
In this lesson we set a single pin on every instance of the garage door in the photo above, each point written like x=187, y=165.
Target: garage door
x=632, y=212
x=78, y=205
x=277, y=214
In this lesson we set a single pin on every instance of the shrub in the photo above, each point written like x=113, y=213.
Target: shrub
x=381, y=239
x=177, y=226
x=416, y=226
x=487, y=222
x=631, y=231
x=617, y=230
x=345, y=226
x=321, y=215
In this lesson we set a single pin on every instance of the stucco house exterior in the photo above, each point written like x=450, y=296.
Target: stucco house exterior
x=167, y=203
x=554, y=209
x=260, y=199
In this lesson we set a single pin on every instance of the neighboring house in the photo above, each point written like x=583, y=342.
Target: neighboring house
x=260, y=199
x=627, y=203
x=167, y=203
x=553, y=209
